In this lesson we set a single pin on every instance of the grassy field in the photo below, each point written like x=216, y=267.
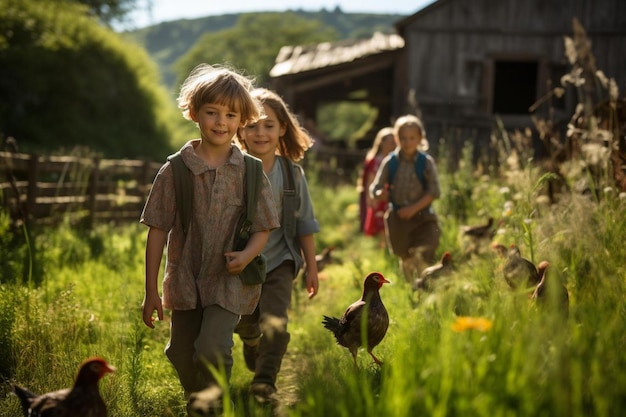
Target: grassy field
x=84, y=294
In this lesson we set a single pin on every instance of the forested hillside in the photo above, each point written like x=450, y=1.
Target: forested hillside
x=168, y=41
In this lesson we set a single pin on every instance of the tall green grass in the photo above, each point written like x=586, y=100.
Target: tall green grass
x=531, y=362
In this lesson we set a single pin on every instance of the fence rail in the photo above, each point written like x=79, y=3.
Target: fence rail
x=46, y=189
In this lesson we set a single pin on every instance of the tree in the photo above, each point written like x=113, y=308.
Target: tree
x=65, y=80
x=253, y=43
x=108, y=11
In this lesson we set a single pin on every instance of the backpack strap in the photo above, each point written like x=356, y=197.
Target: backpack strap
x=420, y=166
x=393, y=166
x=254, y=178
x=290, y=202
x=183, y=188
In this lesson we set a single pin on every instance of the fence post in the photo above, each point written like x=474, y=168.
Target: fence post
x=31, y=194
x=94, y=184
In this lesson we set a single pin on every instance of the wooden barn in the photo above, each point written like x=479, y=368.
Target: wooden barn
x=462, y=64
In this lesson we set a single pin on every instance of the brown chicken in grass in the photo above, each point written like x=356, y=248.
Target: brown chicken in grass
x=370, y=307
x=550, y=292
x=481, y=231
x=82, y=400
x=433, y=272
x=518, y=272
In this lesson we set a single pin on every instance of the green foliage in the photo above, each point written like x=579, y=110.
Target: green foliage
x=346, y=120
x=169, y=41
x=66, y=80
x=252, y=45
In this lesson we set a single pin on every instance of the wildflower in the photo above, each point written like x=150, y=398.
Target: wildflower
x=613, y=89
x=508, y=209
x=602, y=78
x=559, y=92
x=570, y=49
x=464, y=323
x=596, y=155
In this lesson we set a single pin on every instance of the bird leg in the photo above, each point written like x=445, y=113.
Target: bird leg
x=378, y=361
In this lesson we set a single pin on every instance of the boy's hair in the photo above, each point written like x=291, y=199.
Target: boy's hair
x=219, y=85
x=296, y=140
x=409, y=120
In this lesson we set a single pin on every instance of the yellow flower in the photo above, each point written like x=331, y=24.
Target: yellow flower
x=464, y=323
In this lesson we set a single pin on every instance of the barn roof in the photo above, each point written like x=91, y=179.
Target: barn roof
x=297, y=59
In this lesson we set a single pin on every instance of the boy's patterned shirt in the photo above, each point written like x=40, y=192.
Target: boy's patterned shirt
x=407, y=188
x=195, y=270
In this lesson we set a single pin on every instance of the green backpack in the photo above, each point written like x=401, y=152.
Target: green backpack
x=183, y=189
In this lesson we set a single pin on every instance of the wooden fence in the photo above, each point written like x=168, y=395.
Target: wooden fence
x=46, y=189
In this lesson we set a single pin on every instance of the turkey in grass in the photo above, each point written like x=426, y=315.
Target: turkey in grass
x=83, y=399
x=348, y=329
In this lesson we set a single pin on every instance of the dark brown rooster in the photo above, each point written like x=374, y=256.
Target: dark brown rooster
x=518, y=272
x=369, y=307
x=83, y=399
x=550, y=292
x=442, y=268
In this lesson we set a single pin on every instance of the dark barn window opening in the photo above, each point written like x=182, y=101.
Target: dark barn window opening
x=515, y=86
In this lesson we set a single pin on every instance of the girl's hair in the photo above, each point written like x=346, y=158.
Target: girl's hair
x=218, y=85
x=409, y=120
x=296, y=139
x=375, y=149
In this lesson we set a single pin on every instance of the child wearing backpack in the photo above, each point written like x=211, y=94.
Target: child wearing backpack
x=201, y=286
x=279, y=141
x=408, y=179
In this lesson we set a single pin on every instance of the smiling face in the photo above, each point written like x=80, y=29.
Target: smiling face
x=263, y=136
x=218, y=123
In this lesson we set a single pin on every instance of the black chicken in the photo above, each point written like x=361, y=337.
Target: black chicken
x=442, y=268
x=370, y=307
x=83, y=399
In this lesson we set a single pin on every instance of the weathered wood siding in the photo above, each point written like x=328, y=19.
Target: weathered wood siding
x=451, y=47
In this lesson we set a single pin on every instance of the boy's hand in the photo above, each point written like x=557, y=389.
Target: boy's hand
x=236, y=262
x=149, y=305
x=312, y=284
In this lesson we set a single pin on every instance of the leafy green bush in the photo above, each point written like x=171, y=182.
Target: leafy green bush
x=67, y=81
